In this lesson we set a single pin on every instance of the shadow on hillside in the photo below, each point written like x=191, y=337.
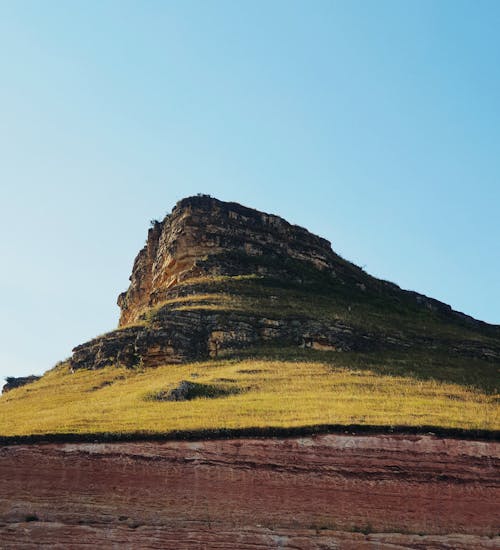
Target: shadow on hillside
x=419, y=364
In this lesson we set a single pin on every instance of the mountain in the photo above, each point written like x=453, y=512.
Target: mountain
x=259, y=392
x=237, y=320
x=216, y=277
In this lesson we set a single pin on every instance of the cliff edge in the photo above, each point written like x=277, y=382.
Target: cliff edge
x=216, y=276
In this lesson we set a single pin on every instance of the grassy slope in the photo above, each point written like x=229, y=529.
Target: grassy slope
x=330, y=389
x=276, y=387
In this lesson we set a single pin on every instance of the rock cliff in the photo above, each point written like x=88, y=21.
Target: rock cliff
x=206, y=237
x=217, y=276
x=330, y=491
x=218, y=279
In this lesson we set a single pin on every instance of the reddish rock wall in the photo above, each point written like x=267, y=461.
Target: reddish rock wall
x=331, y=491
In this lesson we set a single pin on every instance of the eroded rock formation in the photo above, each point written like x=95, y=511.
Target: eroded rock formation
x=204, y=236
x=204, y=242
x=330, y=491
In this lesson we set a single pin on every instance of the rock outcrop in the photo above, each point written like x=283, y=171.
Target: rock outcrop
x=207, y=237
x=331, y=491
x=215, y=278
x=206, y=246
x=12, y=382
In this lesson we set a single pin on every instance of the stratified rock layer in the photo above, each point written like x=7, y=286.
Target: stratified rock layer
x=193, y=240
x=330, y=491
x=204, y=239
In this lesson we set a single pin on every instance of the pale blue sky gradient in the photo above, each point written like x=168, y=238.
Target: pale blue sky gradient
x=373, y=124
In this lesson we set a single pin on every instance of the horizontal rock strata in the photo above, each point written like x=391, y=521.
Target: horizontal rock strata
x=205, y=239
x=330, y=491
x=182, y=335
x=200, y=229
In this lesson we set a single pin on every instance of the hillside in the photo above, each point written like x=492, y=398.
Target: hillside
x=234, y=319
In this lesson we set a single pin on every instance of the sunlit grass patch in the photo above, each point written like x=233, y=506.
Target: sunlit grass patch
x=260, y=392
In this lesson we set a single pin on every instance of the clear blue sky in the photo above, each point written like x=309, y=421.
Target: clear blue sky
x=373, y=124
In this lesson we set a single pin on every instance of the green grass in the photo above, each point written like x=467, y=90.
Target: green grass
x=276, y=387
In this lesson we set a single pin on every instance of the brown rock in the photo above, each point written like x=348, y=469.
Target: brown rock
x=329, y=491
x=195, y=238
x=204, y=237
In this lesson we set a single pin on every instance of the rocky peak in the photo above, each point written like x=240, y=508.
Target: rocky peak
x=204, y=236
x=215, y=277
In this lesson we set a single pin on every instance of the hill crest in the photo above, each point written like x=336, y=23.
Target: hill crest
x=217, y=276
x=206, y=237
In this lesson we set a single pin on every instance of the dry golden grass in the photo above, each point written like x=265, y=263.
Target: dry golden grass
x=273, y=393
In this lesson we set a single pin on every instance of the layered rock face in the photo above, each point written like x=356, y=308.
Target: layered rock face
x=195, y=241
x=205, y=240
x=330, y=491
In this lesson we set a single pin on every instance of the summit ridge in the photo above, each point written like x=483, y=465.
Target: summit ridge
x=217, y=276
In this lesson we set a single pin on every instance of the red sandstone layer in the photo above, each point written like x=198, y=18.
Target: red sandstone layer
x=329, y=491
